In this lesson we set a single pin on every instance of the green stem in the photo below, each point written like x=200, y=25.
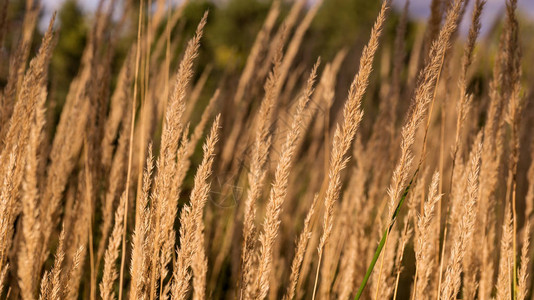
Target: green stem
x=384, y=236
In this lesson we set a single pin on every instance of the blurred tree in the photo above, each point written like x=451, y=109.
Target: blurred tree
x=66, y=58
x=9, y=39
x=341, y=23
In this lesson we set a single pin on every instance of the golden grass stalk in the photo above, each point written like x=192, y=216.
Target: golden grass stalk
x=117, y=175
x=489, y=179
x=353, y=202
x=8, y=101
x=349, y=266
x=485, y=283
x=352, y=114
x=437, y=12
x=187, y=146
x=56, y=284
x=464, y=104
x=258, y=46
x=28, y=258
x=73, y=278
x=282, y=35
x=45, y=287
x=256, y=176
x=463, y=107
x=271, y=223
x=167, y=232
x=300, y=250
x=18, y=136
x=424, y=246
x=522, y=274
x=139, y=261
x=191, y=251
x=529, y=198
x=107, y=290
x=422, y=98
x=77, y=222
x=65, y=148
x=164, y=203
x=130, y=148
x=403, y=241
x=424, y=95
x=199, y=197
x=511, y=90
x=504, y=278
x=3, y=274
x=466, y=225
x=383, y=132
x=296, y=41
x=117, y=110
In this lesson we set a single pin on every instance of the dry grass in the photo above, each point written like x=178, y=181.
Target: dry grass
x=115, y=200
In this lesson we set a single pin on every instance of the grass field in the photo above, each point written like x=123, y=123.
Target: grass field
x=399, y=167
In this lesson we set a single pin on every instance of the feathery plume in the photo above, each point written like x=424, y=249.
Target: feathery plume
x=300, y=250
x=112, y=253
x=166, y=164
x=466, y=225
x=256, y=176
x=191, y=251
x=17, y=138
x=424, y=246
x=522, y=275
x=139, y=260
x=504, y=278
x=278, y=192
x=344, y=134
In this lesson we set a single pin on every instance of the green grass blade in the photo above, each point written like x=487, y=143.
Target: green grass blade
x=384, y=237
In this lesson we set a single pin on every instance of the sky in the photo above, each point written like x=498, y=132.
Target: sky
x=51, y=5
x=419, y=9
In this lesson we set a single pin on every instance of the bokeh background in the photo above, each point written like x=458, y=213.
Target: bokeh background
x=339, y=24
